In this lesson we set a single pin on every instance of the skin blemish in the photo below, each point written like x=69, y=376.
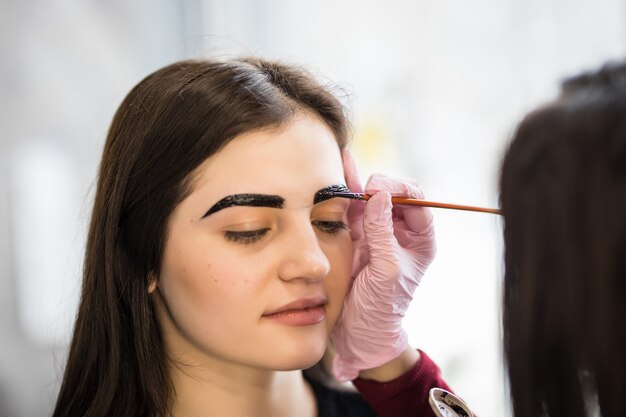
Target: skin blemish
x=327, y=193
x=253, y=200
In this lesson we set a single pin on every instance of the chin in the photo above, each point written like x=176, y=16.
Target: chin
x=299, y=357
x=299, y=364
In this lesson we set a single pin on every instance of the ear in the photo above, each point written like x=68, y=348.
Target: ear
x=152, y=282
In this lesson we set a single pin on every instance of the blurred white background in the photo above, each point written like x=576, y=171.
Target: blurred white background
x=435, y=88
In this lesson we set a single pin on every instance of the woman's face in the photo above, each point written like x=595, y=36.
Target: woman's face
x=254, y=273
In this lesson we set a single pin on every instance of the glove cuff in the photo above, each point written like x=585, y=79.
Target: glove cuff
x=346, y=367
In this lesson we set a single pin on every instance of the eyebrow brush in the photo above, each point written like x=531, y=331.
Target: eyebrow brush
x=414, y=202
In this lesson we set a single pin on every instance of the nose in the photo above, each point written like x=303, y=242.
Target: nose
x=302, y=257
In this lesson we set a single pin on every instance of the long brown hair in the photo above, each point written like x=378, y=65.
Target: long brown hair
x=165, y=128
x=563, y=196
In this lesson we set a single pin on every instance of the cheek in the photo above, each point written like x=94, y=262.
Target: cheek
x=188, y=282
x=339, y=254
x=198, y=283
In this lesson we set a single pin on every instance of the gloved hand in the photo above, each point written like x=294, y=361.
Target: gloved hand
x=393, y=246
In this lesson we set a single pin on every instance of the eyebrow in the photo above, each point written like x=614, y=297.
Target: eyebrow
x=327, y=193
x=272, y=201
x=253, y=200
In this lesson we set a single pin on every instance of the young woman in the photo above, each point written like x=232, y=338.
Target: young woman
x=216, y=270
x=563, y=195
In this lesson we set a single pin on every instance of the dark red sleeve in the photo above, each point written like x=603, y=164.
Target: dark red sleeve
x=406, y=395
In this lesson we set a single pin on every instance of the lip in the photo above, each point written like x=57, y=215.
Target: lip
x=300, y=304
x=302, y=312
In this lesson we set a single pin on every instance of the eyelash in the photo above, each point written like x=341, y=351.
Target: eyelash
x=330, y=227
x=246, y=237
x=250, y=236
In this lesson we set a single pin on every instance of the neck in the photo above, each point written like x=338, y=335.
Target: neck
x=231, y=390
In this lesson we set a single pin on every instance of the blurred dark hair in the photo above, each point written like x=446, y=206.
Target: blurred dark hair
x=563, y=197
x=165, y=128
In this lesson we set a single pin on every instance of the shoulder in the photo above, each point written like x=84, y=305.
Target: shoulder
x=333, y=402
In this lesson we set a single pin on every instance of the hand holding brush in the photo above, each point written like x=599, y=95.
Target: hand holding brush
x=393, y=246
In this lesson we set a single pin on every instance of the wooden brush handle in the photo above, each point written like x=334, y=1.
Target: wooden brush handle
x=424, y=203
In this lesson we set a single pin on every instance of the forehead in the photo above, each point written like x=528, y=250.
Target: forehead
x=302, y=153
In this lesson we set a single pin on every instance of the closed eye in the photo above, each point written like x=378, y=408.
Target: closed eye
x=246, y=236
x=330, y=227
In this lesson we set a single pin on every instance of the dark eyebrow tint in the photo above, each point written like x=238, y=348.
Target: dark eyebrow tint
x=272, y=201
x=327, y=193
x=253, y=200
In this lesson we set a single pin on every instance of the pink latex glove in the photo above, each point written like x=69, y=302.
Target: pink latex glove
x=392, y=249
